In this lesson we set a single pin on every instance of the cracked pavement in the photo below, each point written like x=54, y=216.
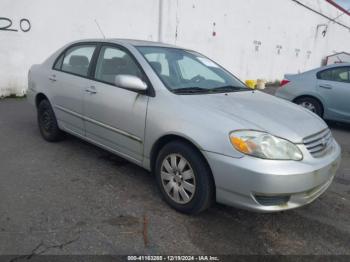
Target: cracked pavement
x=74, y=198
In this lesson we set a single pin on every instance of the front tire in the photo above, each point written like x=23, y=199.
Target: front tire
x=311, y=104
x=184, y=178
x=48, y=123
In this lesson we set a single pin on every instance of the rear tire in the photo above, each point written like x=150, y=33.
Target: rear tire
x=48, y=123
x=311, y=104
x=184, y=178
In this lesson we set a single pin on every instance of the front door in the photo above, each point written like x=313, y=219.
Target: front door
x=334, y=87
x=115, y=117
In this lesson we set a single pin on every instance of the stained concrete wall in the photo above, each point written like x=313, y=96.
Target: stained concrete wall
x=252, y=38
x=57, y=22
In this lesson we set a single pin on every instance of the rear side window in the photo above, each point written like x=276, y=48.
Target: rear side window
x=58, y=64
x=340, y=74
x=77, y=59
x=325, y=75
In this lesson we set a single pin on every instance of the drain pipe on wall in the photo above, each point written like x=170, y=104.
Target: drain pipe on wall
x=160, y=21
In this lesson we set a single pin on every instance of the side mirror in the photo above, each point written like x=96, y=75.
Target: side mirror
x=130, y=82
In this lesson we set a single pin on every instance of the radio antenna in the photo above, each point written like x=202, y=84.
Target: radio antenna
x=99, y=28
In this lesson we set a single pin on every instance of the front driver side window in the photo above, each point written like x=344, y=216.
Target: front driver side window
x=113, y=61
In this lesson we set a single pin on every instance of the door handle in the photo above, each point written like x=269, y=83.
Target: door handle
x=91, y=90
x=52, y=78
x=326, y=86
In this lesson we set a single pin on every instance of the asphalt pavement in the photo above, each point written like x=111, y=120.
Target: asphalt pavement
x=74, y=198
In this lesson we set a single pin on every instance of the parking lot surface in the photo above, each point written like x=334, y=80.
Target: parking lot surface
x=74, y=198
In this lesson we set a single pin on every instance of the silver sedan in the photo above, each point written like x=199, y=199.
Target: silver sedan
x=324, y=91
x=199, y=129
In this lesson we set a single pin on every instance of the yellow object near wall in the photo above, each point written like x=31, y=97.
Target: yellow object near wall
x=251, y=83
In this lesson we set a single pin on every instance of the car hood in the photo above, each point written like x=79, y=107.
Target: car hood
x=259, y=111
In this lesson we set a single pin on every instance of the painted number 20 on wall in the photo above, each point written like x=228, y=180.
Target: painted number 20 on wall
x=7, y=25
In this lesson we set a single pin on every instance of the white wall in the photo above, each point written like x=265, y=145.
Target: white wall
x=188, y=23
x=271, y=22
x=57, y=22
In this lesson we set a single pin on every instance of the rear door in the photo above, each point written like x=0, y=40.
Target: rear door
x=334, y=87
x=69, y=80
x=115, y=117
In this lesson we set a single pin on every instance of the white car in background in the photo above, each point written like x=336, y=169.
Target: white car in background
x=325, y=91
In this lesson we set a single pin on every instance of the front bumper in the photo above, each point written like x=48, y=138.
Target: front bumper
x=240, y=180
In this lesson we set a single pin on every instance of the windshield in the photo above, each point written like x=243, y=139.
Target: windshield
x=184, y=71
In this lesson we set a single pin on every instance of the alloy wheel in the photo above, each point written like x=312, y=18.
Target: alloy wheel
x=308, y=106
x=178, y=178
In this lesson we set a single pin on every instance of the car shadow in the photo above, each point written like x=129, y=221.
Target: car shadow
x=235, y=231
x=339, y=125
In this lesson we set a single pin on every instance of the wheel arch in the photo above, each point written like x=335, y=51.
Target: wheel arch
x=162, y=141
x=40, y=97
x=313, y=97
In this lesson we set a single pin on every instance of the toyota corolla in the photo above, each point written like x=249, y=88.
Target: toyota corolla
x=198, y=128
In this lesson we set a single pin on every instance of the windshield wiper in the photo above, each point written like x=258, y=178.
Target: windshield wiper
x=191, y=90
x=187, y=90
x=228, y=89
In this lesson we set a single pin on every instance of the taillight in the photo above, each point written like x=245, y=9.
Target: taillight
x=284, y=82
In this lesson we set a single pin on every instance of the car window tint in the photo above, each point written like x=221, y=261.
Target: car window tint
x=58, y=64
x=341, y=74
x=77, y=59
x=112, y=62
x=326, y=75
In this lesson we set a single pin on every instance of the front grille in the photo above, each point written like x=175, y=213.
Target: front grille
x=272, y=200
x=318, y=144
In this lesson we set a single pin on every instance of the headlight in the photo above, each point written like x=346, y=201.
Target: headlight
x=264, y=145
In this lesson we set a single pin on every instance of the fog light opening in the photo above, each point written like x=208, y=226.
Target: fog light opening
x=272, y=200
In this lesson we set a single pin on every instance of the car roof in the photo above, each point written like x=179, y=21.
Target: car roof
x=133, y=42
x=333, y=65
x=319, y=69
